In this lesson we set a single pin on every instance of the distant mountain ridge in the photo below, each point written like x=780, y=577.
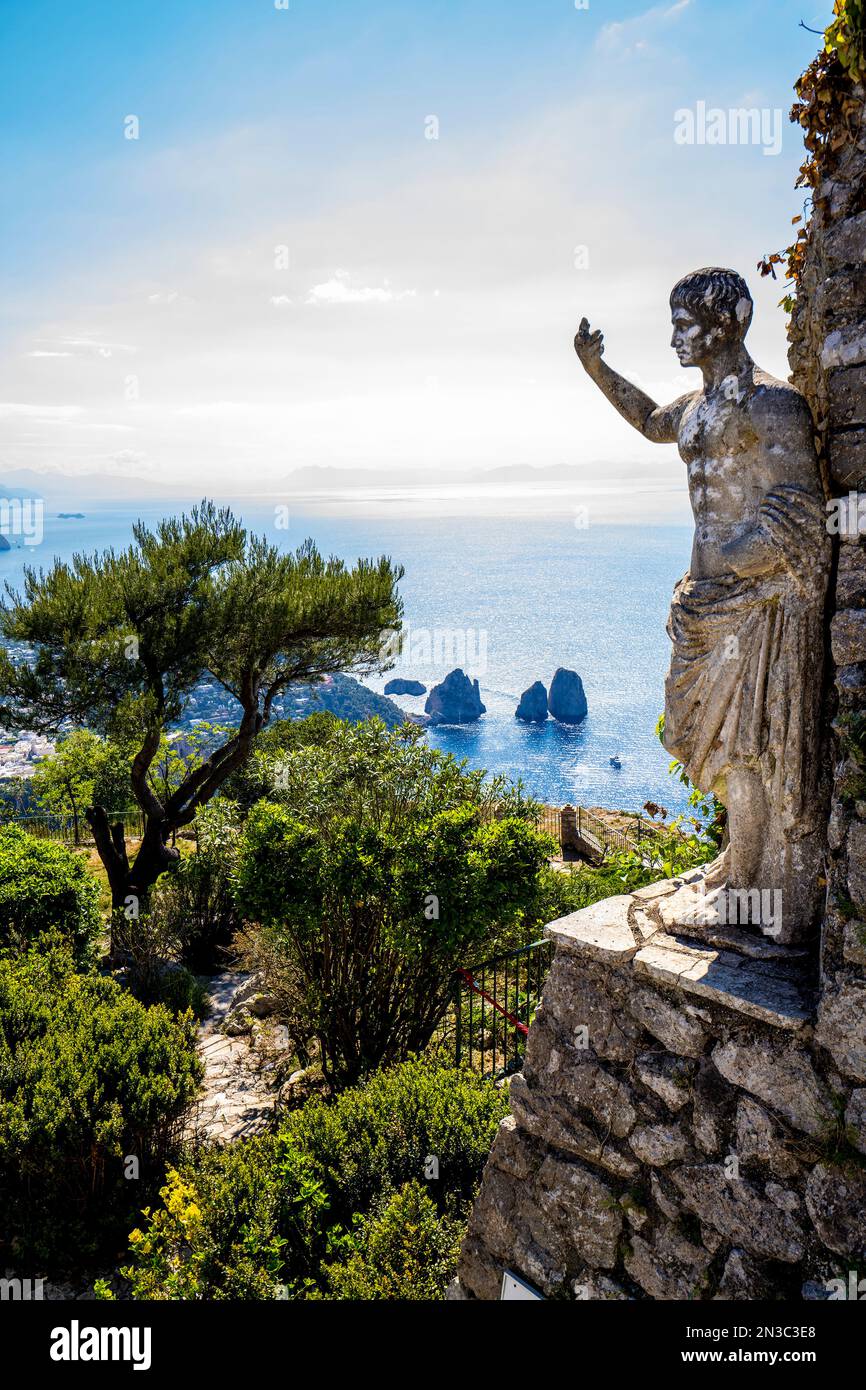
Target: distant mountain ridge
x=80, y=489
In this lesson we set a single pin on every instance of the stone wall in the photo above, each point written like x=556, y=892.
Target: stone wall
x=828, y=361
x=680, y=1129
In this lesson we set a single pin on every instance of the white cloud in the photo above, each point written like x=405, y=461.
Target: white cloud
x=93, y=347
x=340, y=290
x=621, y=37
x=79, y=347
x=47, y=414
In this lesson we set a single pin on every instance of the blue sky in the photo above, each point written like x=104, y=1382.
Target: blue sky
x=425, y=316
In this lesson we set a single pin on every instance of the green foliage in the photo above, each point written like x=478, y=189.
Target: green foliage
x=262, y=1218
x=194, y=905
x=255, y=780
x=668, y=854
x=45, y=888
x=227, y=1229
x=375, y=1137
x=322, y=767
x=118, y=641
x=377, y=874
x=561, y=892
x=88, y=1077
x=84, y=768
x=404, y=1250
x=180, y=990
x=846, y=37
x=16, y=797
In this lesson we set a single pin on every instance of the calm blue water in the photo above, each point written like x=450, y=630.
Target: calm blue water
x=524, y=596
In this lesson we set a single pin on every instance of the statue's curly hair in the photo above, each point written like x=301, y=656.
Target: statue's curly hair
x=714, y=293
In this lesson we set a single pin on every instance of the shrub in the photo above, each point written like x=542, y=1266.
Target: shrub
x=377, y=874
x=192, y=907
x=88, y=1078
x=150, y=951
x=45, y=888
x=561, y=892
x=226, y=1229
x=376, y=1137
x=670, y=852
x=270, y=1211
x=404, y=1250
x=179, y=990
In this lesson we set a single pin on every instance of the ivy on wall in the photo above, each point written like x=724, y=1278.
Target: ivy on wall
x=827, y=110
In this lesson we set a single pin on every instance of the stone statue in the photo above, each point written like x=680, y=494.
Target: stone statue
x=743, y=694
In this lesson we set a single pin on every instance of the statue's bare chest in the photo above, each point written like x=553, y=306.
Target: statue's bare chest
x=715, y=427
x=718, y=444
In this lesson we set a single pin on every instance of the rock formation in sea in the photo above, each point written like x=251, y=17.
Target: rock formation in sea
x=533, y=704
x=455, y=700
x=567, y=701
x=400, y=686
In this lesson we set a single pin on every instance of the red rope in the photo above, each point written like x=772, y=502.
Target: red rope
x=521, y=1027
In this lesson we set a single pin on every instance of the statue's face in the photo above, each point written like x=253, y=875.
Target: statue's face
x=694, y=343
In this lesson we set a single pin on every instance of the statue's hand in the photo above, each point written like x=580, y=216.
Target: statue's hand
x=589, y=345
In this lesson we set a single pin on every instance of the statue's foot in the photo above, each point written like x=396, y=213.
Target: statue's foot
x=717, y=872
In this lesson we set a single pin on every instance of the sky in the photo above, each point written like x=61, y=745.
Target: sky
x=239, y=239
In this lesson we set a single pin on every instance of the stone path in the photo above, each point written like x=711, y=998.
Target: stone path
x=237, y=1097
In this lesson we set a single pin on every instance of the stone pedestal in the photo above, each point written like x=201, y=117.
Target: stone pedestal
x=689, y=1122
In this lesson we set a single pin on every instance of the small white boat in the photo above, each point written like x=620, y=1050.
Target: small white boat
x=615, y=762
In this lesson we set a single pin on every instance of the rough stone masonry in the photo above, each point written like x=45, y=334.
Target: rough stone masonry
x=679, y=1129
x=691, y=1117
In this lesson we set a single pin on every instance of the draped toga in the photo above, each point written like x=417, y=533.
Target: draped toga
x=741, y=692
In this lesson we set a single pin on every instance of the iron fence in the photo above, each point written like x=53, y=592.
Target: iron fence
x=570, y=824
x=47, y=825
x=493, y=1004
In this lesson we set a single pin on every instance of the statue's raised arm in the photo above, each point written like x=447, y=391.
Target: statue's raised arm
x=657, y=423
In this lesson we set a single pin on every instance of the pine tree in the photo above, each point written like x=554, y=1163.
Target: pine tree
x=116, y=642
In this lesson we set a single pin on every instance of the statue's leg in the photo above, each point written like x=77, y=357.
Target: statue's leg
x=779, y=879
x=741, y=862
x=718, y=871
x=748, y=816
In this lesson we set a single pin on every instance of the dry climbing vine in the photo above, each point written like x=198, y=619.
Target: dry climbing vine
x=827, y=110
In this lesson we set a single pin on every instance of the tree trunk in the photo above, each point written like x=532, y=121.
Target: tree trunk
x=153, y=858
x=130, y=885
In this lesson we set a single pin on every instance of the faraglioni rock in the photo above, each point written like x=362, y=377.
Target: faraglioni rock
x=567, y=701
x=533, y=704
x=399, y=686
x=455, y=701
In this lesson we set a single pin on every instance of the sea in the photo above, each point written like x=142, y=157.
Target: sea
x=508, y=598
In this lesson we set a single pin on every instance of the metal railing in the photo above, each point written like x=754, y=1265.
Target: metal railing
x=492, y=1007
x=48, y=825
x=569, y=823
